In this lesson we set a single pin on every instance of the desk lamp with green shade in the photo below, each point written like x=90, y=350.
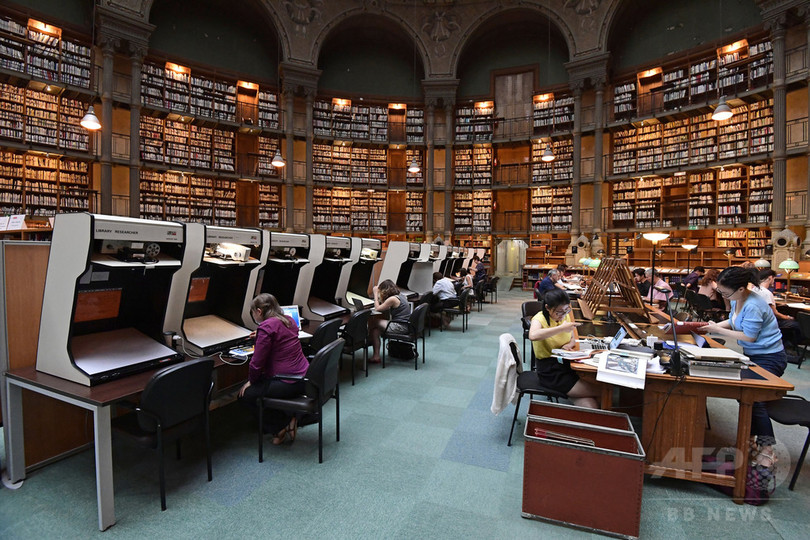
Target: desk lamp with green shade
x=654, y=237
x=791, y=266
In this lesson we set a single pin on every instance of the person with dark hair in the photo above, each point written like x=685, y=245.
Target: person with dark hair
x=707, y=286
x=554, y=328
x=466, y=279
x=787, y=324
x=388, y=298
x=691, y=281
x=640, y=277
x=752, y=323
x=277, y=352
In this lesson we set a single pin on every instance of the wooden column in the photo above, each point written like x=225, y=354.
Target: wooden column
x=778, y=31
x=598, y=173
x=289, y=104
x=309, y=93
x=449, y=106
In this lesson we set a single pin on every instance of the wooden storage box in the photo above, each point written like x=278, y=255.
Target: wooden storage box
x=581, y=415
x=596, y=488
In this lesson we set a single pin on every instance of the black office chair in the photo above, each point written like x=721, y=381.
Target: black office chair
x=804, y=329
x=463, y=308
x=679, y=295
x=480, y=293
x=703, y=308
x=492, y=289
x=792, y=411
x=355, y=335
x=528, y=310
x=528, y=382
x=327, y=332
x=321, y=385
x=416, y=329
x=174, y=404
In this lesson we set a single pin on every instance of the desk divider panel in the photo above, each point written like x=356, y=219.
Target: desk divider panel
x=52, y=428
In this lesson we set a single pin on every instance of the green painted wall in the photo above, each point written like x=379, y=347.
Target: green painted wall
x=647, y=30
x=373, y=61
x=75, y=12
x=508, y=45
x=232, y=35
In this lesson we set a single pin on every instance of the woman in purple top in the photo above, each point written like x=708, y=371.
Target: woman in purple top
x=277, y=353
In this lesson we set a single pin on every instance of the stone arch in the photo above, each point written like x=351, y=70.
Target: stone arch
x=557, y=20
x=335, y=24
x=267, y=6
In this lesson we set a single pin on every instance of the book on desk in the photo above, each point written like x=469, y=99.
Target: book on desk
x=716, y=363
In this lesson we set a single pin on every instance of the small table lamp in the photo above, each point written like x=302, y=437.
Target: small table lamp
x=654, y=238
x=762, y=263
x=791, y=266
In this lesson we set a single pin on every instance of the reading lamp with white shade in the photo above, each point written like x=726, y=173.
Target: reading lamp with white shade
x=791, y=266
x=688, y=248
x=654, y=237
x=762, y=263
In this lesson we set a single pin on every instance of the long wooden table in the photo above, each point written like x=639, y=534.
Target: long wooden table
x=673, y=410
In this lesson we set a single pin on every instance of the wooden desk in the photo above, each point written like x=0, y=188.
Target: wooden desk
x=97, y=399
x=672, y=420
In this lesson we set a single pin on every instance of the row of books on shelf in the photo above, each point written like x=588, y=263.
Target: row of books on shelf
x=39, y=49
x=375, y=123
x=39, y=118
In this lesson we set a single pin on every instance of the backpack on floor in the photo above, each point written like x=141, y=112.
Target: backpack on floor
x=401, y=350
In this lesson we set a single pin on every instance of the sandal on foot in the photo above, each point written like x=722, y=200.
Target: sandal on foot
x=765, y=459
x=292, y=428
x=280, y=436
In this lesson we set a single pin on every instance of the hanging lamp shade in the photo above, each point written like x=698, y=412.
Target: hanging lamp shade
x=414, y=166
x=90, y=120
x=278, y=161
x=722, y=112
x=548, y=154
x=762, y=263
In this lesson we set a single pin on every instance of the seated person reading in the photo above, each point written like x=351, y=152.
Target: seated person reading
x=551, y=281
x=388, y=298
x=277, y=353
x=554, y=328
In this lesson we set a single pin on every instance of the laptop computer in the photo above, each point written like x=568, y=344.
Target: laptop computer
x=292, y=311
x=617, y=346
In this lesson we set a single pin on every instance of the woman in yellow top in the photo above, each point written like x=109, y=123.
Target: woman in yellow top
x=554, y=328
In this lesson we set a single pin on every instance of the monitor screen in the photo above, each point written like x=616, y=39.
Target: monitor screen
x=617, y=339
x=97, y=305
x=292, y=311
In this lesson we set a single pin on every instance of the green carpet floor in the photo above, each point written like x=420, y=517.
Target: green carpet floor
x=420, y=456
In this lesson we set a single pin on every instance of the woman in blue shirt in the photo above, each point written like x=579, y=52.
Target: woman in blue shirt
x=752, y=323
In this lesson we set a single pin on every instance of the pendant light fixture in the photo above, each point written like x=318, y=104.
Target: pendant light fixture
x=414, y=166
x=548, y=153
x=90, y=120
x=278, y=161
x=722, y=111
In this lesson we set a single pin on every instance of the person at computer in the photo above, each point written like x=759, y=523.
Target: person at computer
x=445, y=291
x=388, y=299
x=277, y=353
x=752, y=323
x=787, y=324
x=554, y=328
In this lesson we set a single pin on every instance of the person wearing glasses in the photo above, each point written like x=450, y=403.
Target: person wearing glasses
x=554, y=328
x=752, y=323
x=277, y=353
